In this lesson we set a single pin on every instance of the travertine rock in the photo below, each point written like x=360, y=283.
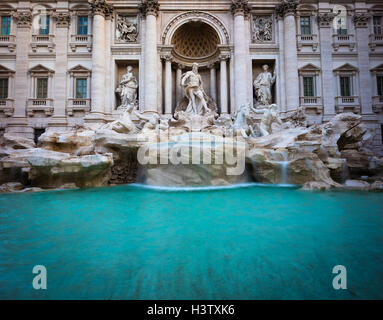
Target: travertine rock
x=356, y=185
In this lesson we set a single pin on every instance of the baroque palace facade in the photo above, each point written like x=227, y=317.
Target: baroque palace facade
x=61, y=61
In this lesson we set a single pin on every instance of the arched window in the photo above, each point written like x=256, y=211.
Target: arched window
x=340, y=21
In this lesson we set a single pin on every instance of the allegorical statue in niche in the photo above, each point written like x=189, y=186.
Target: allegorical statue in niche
x=191, y=81
x=262, y=85
x=127, y=89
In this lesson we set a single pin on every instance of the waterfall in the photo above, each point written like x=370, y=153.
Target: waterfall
x=345, y=175
x=283, y=167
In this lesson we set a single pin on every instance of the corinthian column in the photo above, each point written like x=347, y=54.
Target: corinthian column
x=19, y=120
x=60, y=93
x=362, y=34
x=149, y=9
x=213, y=82
x=325, y=25
x=100, y=8
x=223, y=84
x=286, y=9
x=240, y=9
x=168, y=84
x=178, y=83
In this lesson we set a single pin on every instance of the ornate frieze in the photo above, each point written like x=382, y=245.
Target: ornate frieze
x=149, y=7
x=101, y=7
x=240, y=7
x=24, y=18
x=262, y=29
x=325, y=19
x=126, y=29
x=361, y=20
x=286, y=7
x=62, y=19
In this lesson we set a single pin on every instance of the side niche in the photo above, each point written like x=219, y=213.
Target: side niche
x=127, y=29
x=262, y=29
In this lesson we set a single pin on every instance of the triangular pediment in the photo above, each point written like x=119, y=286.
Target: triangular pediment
x=79, y=68
x=346, y=67
x=5, y=69
x=309, y=67
x=378, y=68
x=41, y=69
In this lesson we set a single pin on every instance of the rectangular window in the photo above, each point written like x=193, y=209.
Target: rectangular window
x=42, y=88
x=82, y=25
x=345, y=86
x=377, y=24
x=381, y=132
x=379, y=80
x=3, y=88
x=5, y=25
x=341, y=25
x=309, y=86
x=44, y=25
x=305, y=25
x=81, y=89
x=37, y=133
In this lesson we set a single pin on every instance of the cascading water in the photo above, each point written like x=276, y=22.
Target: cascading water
x=284, y=167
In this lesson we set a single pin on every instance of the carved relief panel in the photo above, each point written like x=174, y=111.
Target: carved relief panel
x=262, y=29
x=127, y=29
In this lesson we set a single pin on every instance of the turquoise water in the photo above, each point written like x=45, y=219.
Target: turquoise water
x=127, y=242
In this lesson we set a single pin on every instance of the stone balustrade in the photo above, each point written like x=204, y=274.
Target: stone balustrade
x=80, y=41
x=6, y=106
x=47, y=41
x=75, y=105
x=347, y=104
x=377, y=104
x=8, y=41
x=343, y=40
x=375, y=40
x=309, y=40
x=40, y=105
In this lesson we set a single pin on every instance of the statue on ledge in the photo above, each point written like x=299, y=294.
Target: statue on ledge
x=191, y=81
x=127, y=89
x=262, y=85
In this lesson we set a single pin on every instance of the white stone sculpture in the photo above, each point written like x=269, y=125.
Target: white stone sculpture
x=263, y=29
x=126, y=29
x=191, y=81
x=241, y=124
x=262, y=85
x=127, y=89
x=270, y=115
x=153, y=121
x=124, y=124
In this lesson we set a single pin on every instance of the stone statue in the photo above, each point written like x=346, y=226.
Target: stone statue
x=262, y=85
x=263, y=29
x=126, y=30
x=124, y=124
x=191, y=81
x=241, y=124
x=127, y=89
x=153, y=121
x=270, y=115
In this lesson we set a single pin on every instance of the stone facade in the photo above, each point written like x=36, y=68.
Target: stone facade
x=327, y=57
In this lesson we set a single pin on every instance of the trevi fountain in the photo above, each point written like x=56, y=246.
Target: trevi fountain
x=199, y=204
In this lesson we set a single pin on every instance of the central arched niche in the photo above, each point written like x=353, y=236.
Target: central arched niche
x=195, y=41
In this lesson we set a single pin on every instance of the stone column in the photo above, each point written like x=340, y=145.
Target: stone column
x=178, y=83
x=287, y=9
x=213, y=82
x=168, y=84
x=60, y=90
x=100, y=9
x=18, y=123
x=325, y=22
x=240, y=9
x=362, y=35
x=149, y=9
x=109, y=84
x=223, y=84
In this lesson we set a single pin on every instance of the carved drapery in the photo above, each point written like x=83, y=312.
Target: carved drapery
x=149, y=7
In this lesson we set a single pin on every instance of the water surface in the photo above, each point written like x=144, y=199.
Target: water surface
x=129, y=242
